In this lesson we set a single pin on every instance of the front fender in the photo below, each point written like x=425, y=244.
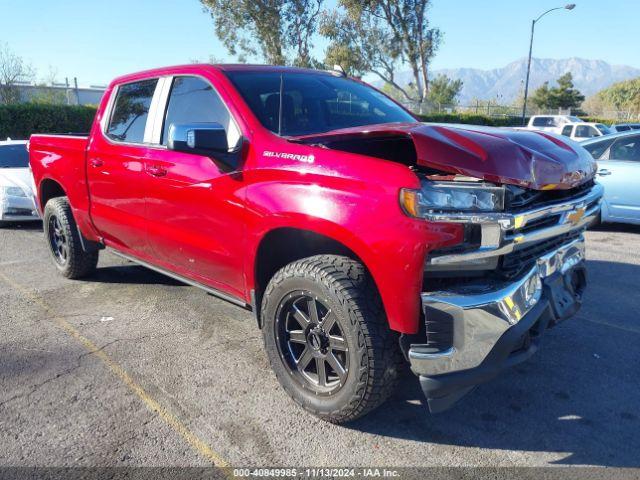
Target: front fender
x=367, y=219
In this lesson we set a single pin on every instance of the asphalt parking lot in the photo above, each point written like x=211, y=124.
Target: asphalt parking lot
x=133, y=368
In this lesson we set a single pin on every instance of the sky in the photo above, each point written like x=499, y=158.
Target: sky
x=96, y=41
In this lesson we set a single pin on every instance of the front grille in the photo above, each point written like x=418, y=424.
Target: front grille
x=519, y=199
x=543, y=222
x=515, y=263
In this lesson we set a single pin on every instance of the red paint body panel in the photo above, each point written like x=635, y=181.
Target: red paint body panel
x=206, y=224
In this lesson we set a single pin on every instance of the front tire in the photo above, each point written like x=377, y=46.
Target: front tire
x=328, y=339
x=64, y=242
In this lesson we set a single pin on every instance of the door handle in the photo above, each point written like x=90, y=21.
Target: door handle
x=96, y=162
x=157, y=171
x=603, y=172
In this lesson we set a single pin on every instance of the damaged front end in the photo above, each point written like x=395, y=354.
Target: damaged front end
x=486, y=303
x=522, y=200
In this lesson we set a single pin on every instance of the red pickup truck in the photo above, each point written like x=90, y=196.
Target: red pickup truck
x=361, y=238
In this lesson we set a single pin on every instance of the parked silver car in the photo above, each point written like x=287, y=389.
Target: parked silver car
x=618, y=157
x=17, y=200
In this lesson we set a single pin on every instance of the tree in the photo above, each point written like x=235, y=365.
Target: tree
x=444, y=90
x=13, y=69
x=377, y=35
x=541, y=97
x=564, y=95
x=279, y=31
x=621, y=96
x=302, y=23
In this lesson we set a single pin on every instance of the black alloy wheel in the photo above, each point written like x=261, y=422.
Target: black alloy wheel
x=311, y=342
x=58, y=241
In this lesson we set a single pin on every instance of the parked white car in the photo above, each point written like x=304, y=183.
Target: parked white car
x=17, y=199
x=551, y=123
x=585, y=130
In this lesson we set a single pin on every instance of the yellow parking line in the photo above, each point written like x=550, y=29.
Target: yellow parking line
x=191, y=438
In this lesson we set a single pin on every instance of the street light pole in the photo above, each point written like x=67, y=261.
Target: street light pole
x=569, y=6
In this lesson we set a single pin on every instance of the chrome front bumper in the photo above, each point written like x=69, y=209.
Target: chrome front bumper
x=481, y=316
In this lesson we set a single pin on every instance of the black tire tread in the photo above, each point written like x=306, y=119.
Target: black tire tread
x=381, y=360
x=80, y=263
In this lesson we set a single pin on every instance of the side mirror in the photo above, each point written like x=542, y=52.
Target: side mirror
x=198, y=138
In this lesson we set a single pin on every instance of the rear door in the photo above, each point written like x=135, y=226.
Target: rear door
x=194, y=204
x=619, y=172
x=115, y=167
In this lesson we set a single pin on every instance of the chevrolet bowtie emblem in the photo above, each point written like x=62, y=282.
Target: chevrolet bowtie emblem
x=575, y=216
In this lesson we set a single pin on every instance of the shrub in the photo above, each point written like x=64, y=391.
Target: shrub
x=21, y=120
x=472, y=119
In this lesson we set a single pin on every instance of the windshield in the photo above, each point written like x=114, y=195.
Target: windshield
x=14, y=156
x=603, y=129
x=314, y=103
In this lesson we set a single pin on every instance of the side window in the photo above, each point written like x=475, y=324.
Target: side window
x=626, y=149
x=597, y=149
x=543, y=122
x=566, y=131
x=623, y=128
x=130, y=111
x=584, y=131
x=193, y=100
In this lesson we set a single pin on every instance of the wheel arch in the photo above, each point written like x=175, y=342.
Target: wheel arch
x=283, y=245
x=49, y=189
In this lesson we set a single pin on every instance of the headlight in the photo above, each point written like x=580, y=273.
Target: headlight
x=452, y=197
x=14, y=192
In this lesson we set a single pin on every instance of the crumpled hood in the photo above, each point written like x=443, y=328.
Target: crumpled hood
x=526, y=158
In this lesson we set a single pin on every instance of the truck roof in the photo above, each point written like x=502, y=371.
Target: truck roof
x=231, y=67
x=235, y=67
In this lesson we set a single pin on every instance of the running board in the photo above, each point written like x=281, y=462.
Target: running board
x=175, y=276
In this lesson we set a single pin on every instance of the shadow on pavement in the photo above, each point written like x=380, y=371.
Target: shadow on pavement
x=578, y=396
x=33, y=225
x=133, y=274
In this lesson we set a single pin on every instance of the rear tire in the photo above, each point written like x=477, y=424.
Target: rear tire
x=64, y=242
x=327, y=337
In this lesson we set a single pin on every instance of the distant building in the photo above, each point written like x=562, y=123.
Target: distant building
x=62, y=93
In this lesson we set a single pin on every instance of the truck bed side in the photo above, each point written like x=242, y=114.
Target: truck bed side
x=58, y=163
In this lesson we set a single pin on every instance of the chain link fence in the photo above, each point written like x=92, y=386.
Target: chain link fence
x=495, y=110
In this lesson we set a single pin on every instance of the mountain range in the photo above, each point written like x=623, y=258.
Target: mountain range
x=506, y=83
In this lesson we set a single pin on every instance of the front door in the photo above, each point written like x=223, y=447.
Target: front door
x=620, y=176
x=194, y=206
